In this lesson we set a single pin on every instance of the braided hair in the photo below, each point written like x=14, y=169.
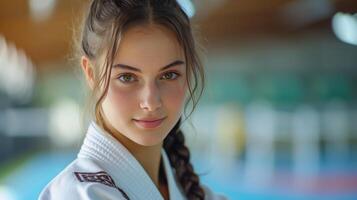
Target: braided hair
x=179, y=156
x=103, y=26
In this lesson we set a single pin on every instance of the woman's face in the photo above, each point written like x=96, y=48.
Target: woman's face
x=148, y=82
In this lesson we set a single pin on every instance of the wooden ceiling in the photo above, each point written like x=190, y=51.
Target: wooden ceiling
x=43, y=41
x=241, y=19
x=50, y=40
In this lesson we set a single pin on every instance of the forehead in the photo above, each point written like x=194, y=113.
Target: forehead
x=149, y=45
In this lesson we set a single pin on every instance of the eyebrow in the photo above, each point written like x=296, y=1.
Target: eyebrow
x=123, y=66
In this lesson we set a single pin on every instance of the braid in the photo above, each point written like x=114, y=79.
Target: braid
x=179, y=156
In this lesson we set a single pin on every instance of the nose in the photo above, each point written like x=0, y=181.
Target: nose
x=151, y=99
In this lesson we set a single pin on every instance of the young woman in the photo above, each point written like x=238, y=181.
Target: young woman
x=140, y=61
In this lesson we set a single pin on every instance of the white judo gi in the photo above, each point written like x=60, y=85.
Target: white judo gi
x=105, y=169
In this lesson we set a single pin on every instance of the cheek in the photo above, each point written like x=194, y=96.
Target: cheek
x=174, y=96
x=119, y=102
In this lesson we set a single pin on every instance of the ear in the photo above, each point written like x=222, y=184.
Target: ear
x=88, y=71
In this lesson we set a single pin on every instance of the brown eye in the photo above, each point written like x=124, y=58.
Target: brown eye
x=171, y=76
x=126, y=78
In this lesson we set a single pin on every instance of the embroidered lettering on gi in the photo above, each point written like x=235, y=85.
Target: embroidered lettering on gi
x=99, y=177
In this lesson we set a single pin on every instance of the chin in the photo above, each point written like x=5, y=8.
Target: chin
x=149, y=141
x=150, y=138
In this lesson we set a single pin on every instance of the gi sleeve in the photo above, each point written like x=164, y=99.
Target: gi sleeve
x=71, y=188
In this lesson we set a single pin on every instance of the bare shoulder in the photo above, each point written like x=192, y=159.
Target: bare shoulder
x=210, y=195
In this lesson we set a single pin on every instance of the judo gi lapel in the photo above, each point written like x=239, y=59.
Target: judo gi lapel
x=174, y=189
x=122, y=166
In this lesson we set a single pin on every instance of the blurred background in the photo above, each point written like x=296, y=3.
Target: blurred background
x=278, y=119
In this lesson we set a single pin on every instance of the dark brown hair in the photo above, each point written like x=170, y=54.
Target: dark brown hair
x=105, y=23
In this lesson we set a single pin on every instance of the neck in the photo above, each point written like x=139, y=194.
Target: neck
x=148, y=156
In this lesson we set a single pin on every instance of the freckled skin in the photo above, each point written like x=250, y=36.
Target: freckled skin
x=148, y=48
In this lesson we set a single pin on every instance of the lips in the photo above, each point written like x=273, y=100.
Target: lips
x=149, y=122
